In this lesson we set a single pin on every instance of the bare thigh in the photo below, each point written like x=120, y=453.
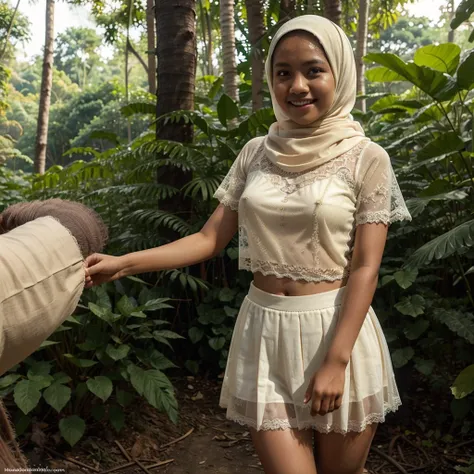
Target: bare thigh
x=285, y=451
x=339, y=454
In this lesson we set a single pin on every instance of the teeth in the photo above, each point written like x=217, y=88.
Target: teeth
x=301, y=102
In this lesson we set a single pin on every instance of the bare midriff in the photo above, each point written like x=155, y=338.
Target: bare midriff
x=289, y=287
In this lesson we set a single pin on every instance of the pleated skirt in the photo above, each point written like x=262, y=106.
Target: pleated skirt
x=279, y=342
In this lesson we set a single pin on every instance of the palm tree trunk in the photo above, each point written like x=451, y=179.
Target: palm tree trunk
x=150, y=31
x=333, y=10
x=361, y=49
x=127, y=50
x=451, y=13
x=287, y=8
x=228, y=48
x=45, y=96
x=176, y=51
x=9, y=30
x=256, y=32
x=209, y=44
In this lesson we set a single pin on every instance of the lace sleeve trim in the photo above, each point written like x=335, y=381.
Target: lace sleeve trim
x=226, y=200
x=384, y=216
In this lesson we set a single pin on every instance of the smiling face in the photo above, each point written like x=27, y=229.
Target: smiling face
x=302, y=79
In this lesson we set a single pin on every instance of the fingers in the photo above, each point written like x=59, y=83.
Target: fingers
x=322, y=405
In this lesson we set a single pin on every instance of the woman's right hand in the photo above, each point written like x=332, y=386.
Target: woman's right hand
x=101, y=268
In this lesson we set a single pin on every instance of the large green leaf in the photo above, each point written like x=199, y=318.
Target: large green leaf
x=27, y=395
x=460, y=322
x=72, y=429
x=411, y=306
x=138, y=108
x=445, y=143
x=416, y=329
x=383, y=74
x=8, y=380
x=402, y=356
x=456, y=240
x=434, y=83
x=464, y=383
x=405, y=278
x=117, y=417
x=83, y=363
x=57, y=396
x=463, y=12
x=101, y=387
x=195, y=334
x=227, y=109
x=417, y=205
x=441, y=57
x=117, y=353
x=465, y=75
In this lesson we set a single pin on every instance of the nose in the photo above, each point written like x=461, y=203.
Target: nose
x=299, y=84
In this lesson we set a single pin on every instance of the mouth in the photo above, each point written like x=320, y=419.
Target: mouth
x=302, y=103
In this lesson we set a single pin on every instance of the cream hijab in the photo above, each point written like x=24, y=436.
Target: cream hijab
x=41, y=279
x=297, y=149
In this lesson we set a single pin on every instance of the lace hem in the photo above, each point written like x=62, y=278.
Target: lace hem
x=285, y=424
x=384, y=217
x=293, y=272
x=226, y=200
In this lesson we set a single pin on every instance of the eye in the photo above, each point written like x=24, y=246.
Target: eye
x=314, y=71
x=282, y=73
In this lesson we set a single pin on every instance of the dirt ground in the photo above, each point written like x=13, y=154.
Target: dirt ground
x=203, y=441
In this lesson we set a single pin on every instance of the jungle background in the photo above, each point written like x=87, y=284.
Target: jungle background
x=140, y=116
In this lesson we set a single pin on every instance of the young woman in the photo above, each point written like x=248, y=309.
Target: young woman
x=42, y=249
x=312, y=202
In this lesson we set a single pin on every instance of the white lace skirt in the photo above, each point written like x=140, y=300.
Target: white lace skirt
x=277, y=345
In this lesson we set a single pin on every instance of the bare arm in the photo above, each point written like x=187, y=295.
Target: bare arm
x=209, y=241
x=368, y=250
x=326, y=387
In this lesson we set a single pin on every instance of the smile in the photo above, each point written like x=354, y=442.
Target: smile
x=302, y=103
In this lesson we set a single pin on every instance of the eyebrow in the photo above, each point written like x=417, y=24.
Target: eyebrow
x=306, y=63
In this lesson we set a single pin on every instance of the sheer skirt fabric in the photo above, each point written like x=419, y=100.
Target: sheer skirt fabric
x=277, y=345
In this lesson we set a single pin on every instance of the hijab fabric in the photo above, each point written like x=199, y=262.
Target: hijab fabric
x=295, y=148
x=41, y=279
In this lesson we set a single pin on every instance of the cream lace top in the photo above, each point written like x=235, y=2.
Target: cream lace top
x=302, y=225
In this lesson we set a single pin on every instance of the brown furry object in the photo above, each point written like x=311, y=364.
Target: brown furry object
x=84, y=224
x=91, y=235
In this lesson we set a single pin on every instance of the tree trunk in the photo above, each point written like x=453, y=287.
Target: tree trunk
x=287, y=9
x=209, y=44
x=256, y=32
x=45, y=96
x=333, y=10
x=150, y=31
x=311, y=7
x=451, y=14
x=228, y=49
x=9, y=30
x=127, y=50
x=176, y=39
x=361, y=50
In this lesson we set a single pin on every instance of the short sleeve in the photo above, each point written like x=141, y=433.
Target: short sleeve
x=379, y=199
x=232, y=186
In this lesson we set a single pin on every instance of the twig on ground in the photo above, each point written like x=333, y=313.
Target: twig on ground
x=118, y=468
x=122, y=449
x=162, y=463
x=79, y=463
x=129, y=458
x=392, y=444
x=419, y=468
x=459, y=445
x=177, y=440
x=411, y=443
x=400, y=452
x=379, y=468
x=389, y=459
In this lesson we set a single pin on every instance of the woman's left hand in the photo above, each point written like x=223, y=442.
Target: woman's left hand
x=325, y=388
